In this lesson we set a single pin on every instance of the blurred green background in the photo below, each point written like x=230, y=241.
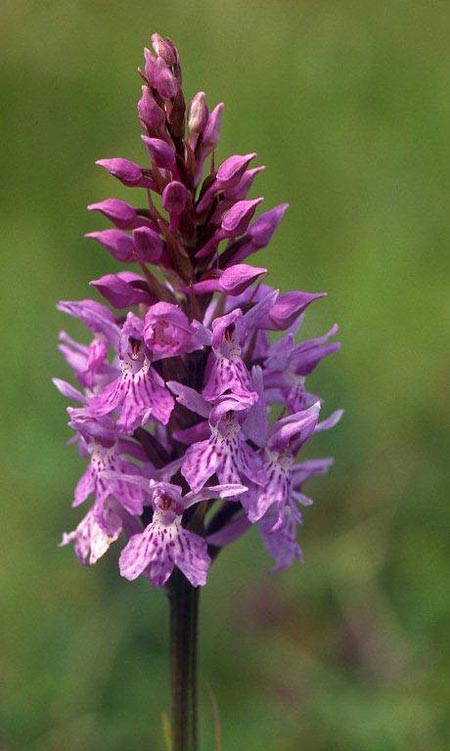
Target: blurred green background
x=347, y=103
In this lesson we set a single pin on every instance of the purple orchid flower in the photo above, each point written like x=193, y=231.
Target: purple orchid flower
x=97, y=531
x=88, y=362
x=139, y=392
x=288, y=364
x=279, y=533
x=228, y=372
x=167, y=332
x=284, y=441
x=165, y=543
x=226, y=452
x=109, y=459
x=231, y=334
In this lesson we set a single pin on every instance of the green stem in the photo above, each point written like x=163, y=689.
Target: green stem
x=183, y=599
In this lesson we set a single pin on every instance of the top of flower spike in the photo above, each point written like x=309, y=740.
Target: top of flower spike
x=199, y=216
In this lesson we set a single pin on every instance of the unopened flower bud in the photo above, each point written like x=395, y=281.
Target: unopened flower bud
x=127, y=172
x=263, y=228
x=239, y=191
x=237, y=219
x=198, y=113
x=260, y=232
x=148, y=245
x=118, y=289
x=165, y=48
x=161, y=152
x=116, y=242
x=164, y=80
x=123, y=169
x=232, y=169
x=150, y=113
x=120, y=213
x=174, y=198
x=288, y=308
x=211, y=133
x=149, y=66
x=232, y=281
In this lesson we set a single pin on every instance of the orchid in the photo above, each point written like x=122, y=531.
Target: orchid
x=192, y=406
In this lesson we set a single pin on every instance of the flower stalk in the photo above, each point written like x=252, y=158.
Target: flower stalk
x=183, y=603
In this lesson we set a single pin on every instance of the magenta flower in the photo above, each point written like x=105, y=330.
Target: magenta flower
x=165, y=543
x=167, y=332
x=228, y=372
x=225, y=453
x=97, y=531
x=139, y=392
x=94, y=482
x=285, y=440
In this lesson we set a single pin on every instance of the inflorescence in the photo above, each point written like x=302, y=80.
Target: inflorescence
x=191, y=413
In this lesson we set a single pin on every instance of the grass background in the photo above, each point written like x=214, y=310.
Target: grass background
x=347, y=104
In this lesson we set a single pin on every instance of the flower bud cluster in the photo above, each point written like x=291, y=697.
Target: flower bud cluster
x=189, y=412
